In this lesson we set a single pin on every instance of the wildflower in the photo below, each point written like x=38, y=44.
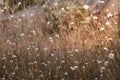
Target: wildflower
x=56, y=4
x=99, y=62
x=106, y=63
x=36, y=49
x=111, y=56
x=41, y=75
x=96, y=78
x=109, y=15
x=50, y=39
x=86, y=7
x=74, y=68
x=35, y=62
x=102, y=29
x=95, y=17
x=62, y=10
x=13, y=73
x=4, y=67
x=13, y=56
x=105, y=48
x=44, y=64
x=76, y=50
x=28, y=48
x=102, y=68
x=67, y=8
x=63, y=61
x=83, y=67
x=19, y=3
x=52, y=55
x=11, y=16
x=48, y=62
x=22, y=34
x=4, y=58
x=33, y=32
x=45, y=49
x=107, y=23
x=101, y=2
x=11, y=61
x=69, y=51
x=48, y=22
x=76, y=62
x=23, y=15
x=65, y=73
x=58, y=67
x=57, y=36
x=2, y=10
x=113, y=5
x=3, y=78
x=71, y=55
x=16, y=67
x=31, y=14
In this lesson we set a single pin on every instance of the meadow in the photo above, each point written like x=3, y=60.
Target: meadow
x=61, y=41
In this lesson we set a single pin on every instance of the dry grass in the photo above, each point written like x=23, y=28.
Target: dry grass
x=82, y=51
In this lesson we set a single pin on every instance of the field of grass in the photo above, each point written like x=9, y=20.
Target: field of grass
x=60, y=42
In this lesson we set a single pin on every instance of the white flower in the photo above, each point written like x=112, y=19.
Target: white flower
x=72, y=68
x=22, y=34
x=2, y=10
x=66, y=73
x=11, y=16
x=102, y=29
x=76, y=50
x=50, y=39
x=36, y=49
x=109, y=15
x=95, y=17
x=67, y=7
x=76, y=62
x=45, y=49
x=86, y=7
x=101, y=2
x=63, y=61
x=63, y=9
x=23, y=15
x=105, y=48
x=103, y=68
x=11, y=61
x=13, y=56
x=107, y=23
x=35, y=62
x=31, y=14
x=56, y=4
x=106, y=63
x=111, y=56
x=99, y=62
x=33, y=32
x=19, y=3
x=96, y=78
x=113, y=5
x=57, y=36
x=75, y=67
x=13, y=73
x=72, y=23
x=52, y=55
